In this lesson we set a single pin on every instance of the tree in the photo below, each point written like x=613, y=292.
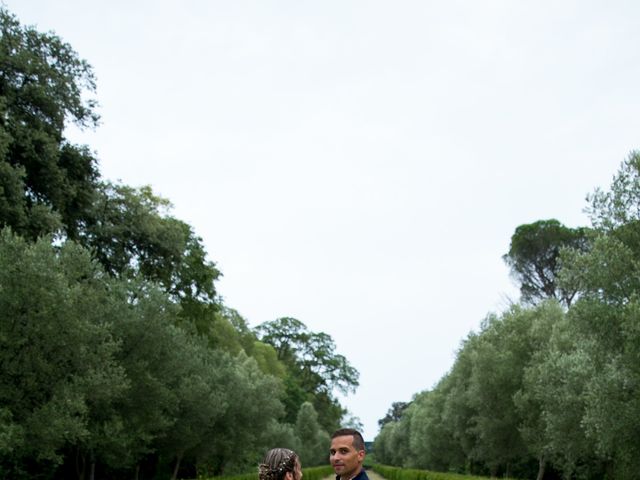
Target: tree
x=47, y=183
x=57, y=351
x=394, y=414
x=349, y=420
x=203, y=378
x=616, y=212
x=267, y=359
x=116, y=355
x=587, y=383
x=457, y=410
x=242, y=435
x=620, y=205
x=609, y=320
x=156, y=356
x=604, y=323
x=286, y=335
x=495, y=377
x=313, y=440
x=314, y=369
x=382, y=445
x=534, y=257
x=398, y=441
x=320, y=369
x=528, y=400
x=132, y=235
x=553, y=401
x=432, y=441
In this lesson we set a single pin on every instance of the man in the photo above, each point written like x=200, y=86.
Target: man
x=347, y=454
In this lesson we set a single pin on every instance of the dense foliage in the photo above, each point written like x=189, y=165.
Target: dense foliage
x=550, y=388
x=117, y=357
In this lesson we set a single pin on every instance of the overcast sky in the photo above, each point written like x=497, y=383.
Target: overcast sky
x=362, y=165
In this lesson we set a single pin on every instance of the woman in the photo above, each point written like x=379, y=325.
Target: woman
x=280, y=464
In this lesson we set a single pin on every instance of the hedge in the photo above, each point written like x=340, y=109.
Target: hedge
x=397, y=473
x=313, y=473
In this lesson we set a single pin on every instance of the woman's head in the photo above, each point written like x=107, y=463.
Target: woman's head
x=280, y=464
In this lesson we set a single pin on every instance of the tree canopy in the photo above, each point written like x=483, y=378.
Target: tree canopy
x=534, y=258
x=549, y=388
x=118, y=359
x=47, y=183
x=315, y=369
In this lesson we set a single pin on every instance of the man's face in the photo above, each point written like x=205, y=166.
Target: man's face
x=345, y=459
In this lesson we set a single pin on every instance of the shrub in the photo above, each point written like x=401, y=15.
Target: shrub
x=397, y=473
x=313, y=473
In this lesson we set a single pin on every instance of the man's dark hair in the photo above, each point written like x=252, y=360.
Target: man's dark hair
x=358, y=441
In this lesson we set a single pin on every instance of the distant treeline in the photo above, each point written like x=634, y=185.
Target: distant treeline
x=551, y=387
x=117, y=357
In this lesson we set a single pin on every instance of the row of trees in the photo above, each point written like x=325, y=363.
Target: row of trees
x=551, y=387
x=117, y=357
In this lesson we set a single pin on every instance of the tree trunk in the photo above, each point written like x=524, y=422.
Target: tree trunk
x=542, y=465
x=80, y=467
x=177, y=467
x=93, y=470
x=137, y=471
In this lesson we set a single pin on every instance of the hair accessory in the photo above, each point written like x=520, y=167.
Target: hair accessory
x=266, y=472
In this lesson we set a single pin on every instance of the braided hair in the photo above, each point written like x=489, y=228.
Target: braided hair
x=277, y=462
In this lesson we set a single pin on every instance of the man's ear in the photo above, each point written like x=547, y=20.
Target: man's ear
x=361, y=454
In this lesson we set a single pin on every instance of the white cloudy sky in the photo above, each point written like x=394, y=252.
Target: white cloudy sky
x=361, y=165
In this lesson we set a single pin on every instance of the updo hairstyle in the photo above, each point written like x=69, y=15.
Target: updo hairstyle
x=277, y=462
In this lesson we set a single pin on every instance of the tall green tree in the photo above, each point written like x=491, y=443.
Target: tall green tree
x=382, y=445
x=117, y=358
x=57, y=351
x=394, y=413
x=320, y=369
x=620, y=204
x=534, y=258
x=314, y=440
x=157, y=357
x=47, y=183
x=604, y=323
x=457, y=411
x=132, y=234
x=314, y=369
x=432, y=441
x=529, y=399
x=236, y=442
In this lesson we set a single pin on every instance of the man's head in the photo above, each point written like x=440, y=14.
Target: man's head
x=347, y=453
